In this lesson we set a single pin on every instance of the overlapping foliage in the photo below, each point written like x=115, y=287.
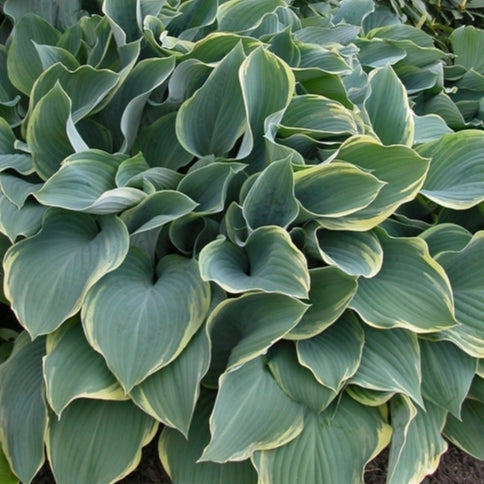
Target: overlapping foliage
x=257, y=222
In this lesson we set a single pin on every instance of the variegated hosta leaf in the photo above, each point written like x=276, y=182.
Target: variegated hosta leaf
x=411, y=290
x=86, y=87
x=157, y=210
x=444, y=237
x=355, y=253
x=296, y=380
x=267, y=87
x=392, y=122
x=48, y=275
x=22, y=407
x=123, y=113
x=251, y=413
x=334, y=355
x=271, y=200
x=318, y=117
x=129, y=310
x=170, y=394
x=335, y=190
x=467, y=44
x=235, y=16
x=429, y=127
x=97, y=440
x=269, y=262
x=366, y=396
x=331, y=290
x=329, y=449
x=179, y=455
x=47, y=135
x=399, y=167
x=467, y=432
x=390, y=362
x=244, y=328
x=456, y=175
x=208, y=185
x=416, y=444
x=192, y=232
x=23, y=62
x=211, y=121
x=446, y=385
x=72, y=369
x=16, y=222
x=467, y=281
x=86, y=182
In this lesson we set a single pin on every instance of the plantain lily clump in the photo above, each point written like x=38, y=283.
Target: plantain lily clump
x=257, y=225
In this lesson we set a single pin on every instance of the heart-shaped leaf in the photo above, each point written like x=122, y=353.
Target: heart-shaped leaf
x=167, y=306
x=269, y=262
x=48, y=275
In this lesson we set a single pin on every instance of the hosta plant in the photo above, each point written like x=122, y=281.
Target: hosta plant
x=255, y=224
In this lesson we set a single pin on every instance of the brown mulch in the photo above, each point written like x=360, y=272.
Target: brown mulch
x=455, y=467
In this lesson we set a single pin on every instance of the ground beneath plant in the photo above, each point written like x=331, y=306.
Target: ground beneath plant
x=455, y=467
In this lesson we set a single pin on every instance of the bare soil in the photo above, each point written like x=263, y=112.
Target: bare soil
x=456, y=467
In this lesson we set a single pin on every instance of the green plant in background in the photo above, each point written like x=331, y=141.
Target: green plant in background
x=256, y=222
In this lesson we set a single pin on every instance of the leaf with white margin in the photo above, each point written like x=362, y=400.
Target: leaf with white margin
x=296, y=380
x=429, y=127
x=468, y=433
x=401, y=169
x=446, y=385
x=318, y=117
x=237, y=16
x=467, y=281
x=331, y=290
x=411, y=290
x=390, y=362
x=370, y=398
x=48, y=275
x=25, y=221
x=179, y=455
x=212, y=120
x=97, y=440
x=72, y=369
x=355, y=253
x=334, y=446
x=267, y=86
x=23, y=62
x=47, y=135
x=269, y=262
x=250, y=413
x=157, y=210
x=86, y=87
x=135, y=305
x=334, y=355
x=392, y=122
x=417, y=443
x=86, y=182
x=170, y=394
x=271, y=200
x=244, y=328
x=335, y=189
x=456, y=175
x=443, y=237
x=22, y=407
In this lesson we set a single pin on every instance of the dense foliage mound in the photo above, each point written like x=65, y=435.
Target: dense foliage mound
x=257, y=222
